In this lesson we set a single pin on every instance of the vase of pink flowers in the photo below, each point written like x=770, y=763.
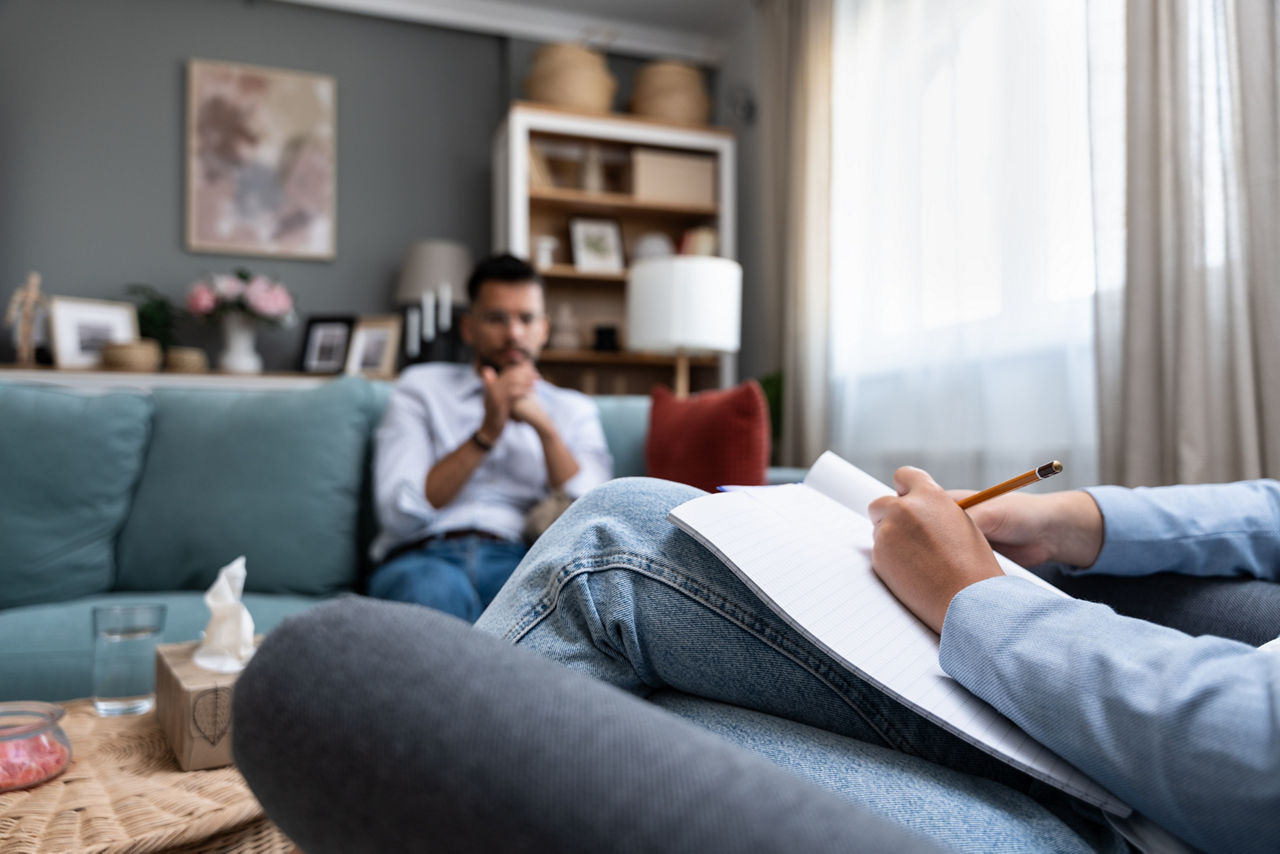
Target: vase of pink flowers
x=241, y=301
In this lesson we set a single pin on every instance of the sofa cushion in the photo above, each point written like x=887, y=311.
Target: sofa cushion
x=709, y=439
x=275, y=476
x=46, y=651
x=68, y=464
x=625, y=420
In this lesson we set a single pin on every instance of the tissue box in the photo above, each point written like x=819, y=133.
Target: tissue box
x=193, y=707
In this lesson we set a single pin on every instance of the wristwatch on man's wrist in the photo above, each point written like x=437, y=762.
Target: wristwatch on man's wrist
x=484, y=442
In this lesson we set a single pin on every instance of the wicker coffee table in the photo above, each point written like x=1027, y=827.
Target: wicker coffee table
x=123, y=792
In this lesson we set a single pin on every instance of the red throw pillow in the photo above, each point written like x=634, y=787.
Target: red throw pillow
x=709, y=439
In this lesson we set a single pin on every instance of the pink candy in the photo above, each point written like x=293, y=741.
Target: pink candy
x=27, y=761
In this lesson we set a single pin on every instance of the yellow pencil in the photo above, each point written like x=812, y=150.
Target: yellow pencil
x=1049, y=469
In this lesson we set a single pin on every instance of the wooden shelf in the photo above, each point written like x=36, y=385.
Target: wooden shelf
x=616, y=203
x=568, y=271
x=620, y=119
x=620, y=357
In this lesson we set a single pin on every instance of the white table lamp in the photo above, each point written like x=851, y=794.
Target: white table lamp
x=432, y=279
x=684, y=303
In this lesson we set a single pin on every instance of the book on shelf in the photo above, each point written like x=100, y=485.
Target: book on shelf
x=805, y=549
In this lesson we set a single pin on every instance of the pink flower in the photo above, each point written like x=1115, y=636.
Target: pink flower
x=200, y=299
x=228, y=288
x=267, y=298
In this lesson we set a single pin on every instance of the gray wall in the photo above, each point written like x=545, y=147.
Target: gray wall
x=92, y=115
x=92, y=118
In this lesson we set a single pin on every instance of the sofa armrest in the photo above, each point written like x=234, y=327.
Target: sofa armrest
x=776, y=475
x=376, y=726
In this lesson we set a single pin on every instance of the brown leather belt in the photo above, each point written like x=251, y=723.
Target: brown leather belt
x=458, y=534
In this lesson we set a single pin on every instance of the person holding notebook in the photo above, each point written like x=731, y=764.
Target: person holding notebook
x=1182, y=728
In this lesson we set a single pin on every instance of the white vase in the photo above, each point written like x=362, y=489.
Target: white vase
x=238, y=354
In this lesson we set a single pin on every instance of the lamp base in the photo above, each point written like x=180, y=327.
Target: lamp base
x=682, y=373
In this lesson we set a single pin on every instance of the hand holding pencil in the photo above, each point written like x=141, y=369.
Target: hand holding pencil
x=1061, y=526
x=926, y=553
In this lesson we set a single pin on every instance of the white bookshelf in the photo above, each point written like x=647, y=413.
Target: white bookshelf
x=521, y=211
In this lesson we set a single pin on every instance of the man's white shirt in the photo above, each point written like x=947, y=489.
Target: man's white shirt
x=434, y=409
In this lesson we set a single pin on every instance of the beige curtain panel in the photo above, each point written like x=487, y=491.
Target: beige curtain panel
x=795, y=112
x=1189, y=348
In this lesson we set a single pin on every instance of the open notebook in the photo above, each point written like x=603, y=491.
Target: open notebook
x=805, y=549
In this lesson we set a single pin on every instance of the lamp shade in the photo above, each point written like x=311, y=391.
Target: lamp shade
x=430, y=263
x=684, y=302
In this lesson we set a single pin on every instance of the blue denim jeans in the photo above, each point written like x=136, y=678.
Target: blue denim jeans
x=616, y=591
x=459, y=577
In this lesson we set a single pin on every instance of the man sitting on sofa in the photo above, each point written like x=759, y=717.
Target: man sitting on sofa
x=465, y=451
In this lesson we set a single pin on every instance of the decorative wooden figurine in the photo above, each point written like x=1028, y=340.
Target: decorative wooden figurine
x=22, y=314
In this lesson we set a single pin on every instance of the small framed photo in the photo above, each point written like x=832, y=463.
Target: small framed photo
x=79, y=328
x=375, y=346
x=597, y=245
x=324, y=347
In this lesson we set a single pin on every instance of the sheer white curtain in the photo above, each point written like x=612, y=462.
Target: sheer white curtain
x=963, y=266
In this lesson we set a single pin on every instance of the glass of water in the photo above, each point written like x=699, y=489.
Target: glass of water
x=124, y=657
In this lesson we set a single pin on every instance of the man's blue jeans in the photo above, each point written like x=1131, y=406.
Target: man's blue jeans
x=459, y=576
x=616, y=591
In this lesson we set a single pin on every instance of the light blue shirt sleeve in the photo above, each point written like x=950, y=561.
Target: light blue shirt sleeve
x=1230, y=529
x=1185, y=729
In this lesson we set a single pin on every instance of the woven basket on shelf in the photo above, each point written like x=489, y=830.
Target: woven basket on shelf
x=186, y=360
x=570, y=75
x=671, y=91
x=142, y=355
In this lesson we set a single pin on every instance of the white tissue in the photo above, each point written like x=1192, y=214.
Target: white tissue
x=228, y=639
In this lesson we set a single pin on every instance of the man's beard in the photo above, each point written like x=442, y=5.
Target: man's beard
x=490, y=362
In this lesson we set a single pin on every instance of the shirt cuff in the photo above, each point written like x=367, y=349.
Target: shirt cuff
x=1125, y=512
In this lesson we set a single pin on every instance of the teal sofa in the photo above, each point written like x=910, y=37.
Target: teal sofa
x=129, y=496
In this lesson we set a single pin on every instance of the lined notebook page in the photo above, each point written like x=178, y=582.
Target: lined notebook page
x=809, y=558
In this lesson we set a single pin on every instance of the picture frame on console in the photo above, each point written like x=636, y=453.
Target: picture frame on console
x=325, y=344
x=375, y=346
x=80, y=327
x=597, y=245
x=261, y=161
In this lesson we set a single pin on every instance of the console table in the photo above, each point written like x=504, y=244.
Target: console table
x=130, y=379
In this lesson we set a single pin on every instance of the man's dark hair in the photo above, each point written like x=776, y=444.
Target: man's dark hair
x=500, y=268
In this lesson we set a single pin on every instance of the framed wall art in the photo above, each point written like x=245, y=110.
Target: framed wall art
x=79, y=327
x=261, y=161
x=375, y=346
